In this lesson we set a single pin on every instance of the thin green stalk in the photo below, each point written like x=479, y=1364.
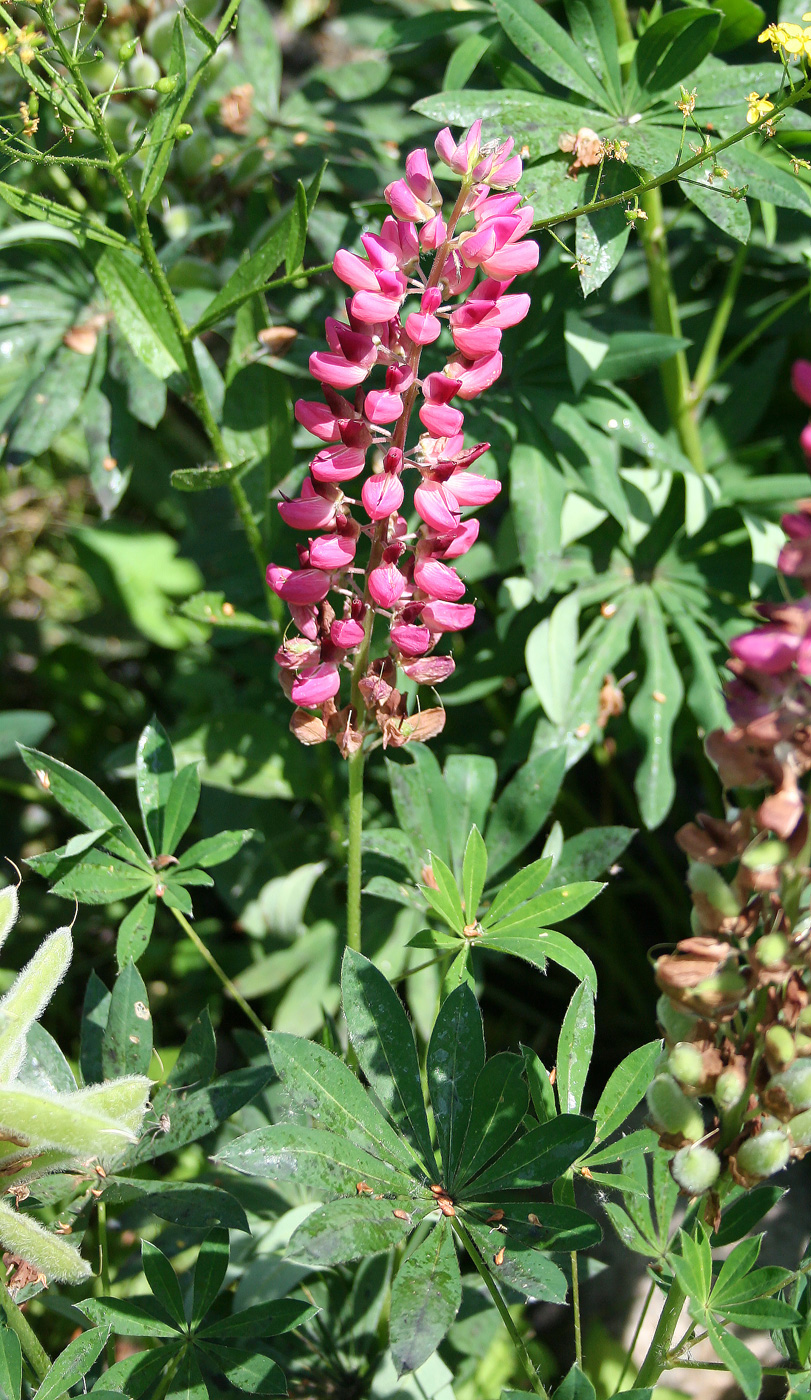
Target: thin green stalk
x=35, y=1355
x=104, y=1269
x=353, y=855
x=504, y=1312
x=631, y=1349
x=754, y=335
x=709, y=355
x=674, y=372
x=657, y=1355
x=215, y=967
x=622, y=23
x=578, y=1330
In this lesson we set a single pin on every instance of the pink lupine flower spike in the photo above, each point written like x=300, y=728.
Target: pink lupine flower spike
x=395, y=309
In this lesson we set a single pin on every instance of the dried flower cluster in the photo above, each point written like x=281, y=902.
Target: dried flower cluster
x=736, y=996
x=423, y=259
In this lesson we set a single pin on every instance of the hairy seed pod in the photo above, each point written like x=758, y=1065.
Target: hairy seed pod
x=771, y=949
x=795, y=1081
x=695, y=1168
x=722, y=992
x=800, y=1129
x=672, y=1111
x=676, y=1023
x=765, y=1154
x=686, y=1064
x=729, y=1087
x=780, y=1048
x=704, y=879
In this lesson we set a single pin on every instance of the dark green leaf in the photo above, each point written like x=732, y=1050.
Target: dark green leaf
x=729, y=214
x=330, y=1164
x=22, y=727
x=474, y=873
x=520, y=1265
x=154, y=774
x=421, y=802
x=187, y=1382
x=95, y=1011
x=601, y=239
x=214, y=850
x=127, y=1041
x=541, y=1156
x=760, y=1314
x=465, y=59
x=384, y=1044
x=425, y=1299
x=541, y=1089
x=744, y=1367
x=549, y=47
x=549, y=907
x=141, y=315
x=575, y=1386
x=136, y=1373
x=575, y=1045
x=625, y=1088
x=162, y=1281
x=594, y=32
x=164, y=123
x=653, y=713
x=523, y=807
x=135, y=930
x=739, y=1217
x=298, y=232
x=206, y=478
x=190, y=1204
x=11, y=1365
x=520, y=888
x=345, y=1230
x=589, y=854
x=455, y=1058
x=537, y=492
x=319, y=1085
x=249, y=1371
x=500, y=1100
x=269, y=1319
x=673, y=46
x=96, y=878
x=86, y=802
x=541, y=1225
x=36, y=206
x=196, y=1113
x=536, y=947
x=743, y=19
x=471, y=781
x=209, y=1274
x=73, y=1363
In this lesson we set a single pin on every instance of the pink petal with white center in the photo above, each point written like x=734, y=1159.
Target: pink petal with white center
x=476, y=340
x=420, y=179
x=433, y=233
x=315, y=684
x=476, y=375
x=405, y=204
x=382, y=495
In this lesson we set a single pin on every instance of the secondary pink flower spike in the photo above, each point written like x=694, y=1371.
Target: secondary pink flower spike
x=414, y=291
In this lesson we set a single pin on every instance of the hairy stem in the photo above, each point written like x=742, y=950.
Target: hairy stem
x=353, y=856
x=35, y=1355
x=578, y=1330
x=657, y=1355
x=504, y=1312
x=215, y=967
x=705, y=368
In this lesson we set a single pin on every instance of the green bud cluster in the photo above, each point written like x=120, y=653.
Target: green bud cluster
x=673, y=1112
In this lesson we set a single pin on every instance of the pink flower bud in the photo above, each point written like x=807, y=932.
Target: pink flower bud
x=315, y=684
x=312, y=511
x=405, y=204
x=801, y=380
x=386, y=584
x=346, y=633
x=433, y=233
x=512, y=260
x=318, y=420
x=335, y=370
x=463, y=157
x=423, y=329
x=382, y=407
x=333, y=551
x=409, y=639
x=437, y=506
x=439, y=581
x=448, y=617
x=338, y=463
x=441, y=420
x=371, y=307
x=355, y=271
x=475, y=332
x=471, y=489
x=420, y=179
x=475, y=375
x=440, y=388
x=464, y=539
x=430, y=670
x=481, y=243
x=299, y=586
x=769, y=649
x=382, y=494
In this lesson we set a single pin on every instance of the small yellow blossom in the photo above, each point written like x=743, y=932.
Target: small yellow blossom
x=758, y=107
x=3, y=43
x=687, y=102
x=791, y=38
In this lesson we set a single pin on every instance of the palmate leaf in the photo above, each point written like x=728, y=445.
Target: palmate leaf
x=425, y=1299
x=515, y=1261
x=549, y=47
x=500, y=1100
x=351, y=1229
x=83, y=800
x=539, y=1157
x=455, y=1058
x=332, y=1165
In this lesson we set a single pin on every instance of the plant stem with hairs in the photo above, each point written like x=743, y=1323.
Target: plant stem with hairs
x=35, y=1355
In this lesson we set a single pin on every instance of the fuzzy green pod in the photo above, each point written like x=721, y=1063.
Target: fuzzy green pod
x=764, y=1155
x=722, y=991
x=800, y=1129
x=771, y=949
x=686, y=1064
x=184, y=131
x=705, y=879
x=795, y=1081
x=49, y=1253
x=765, y=855
x=676, y=1023
x=695, y=1168
x=780, y=1047
x=28, y=996
x=9, y=910
x=729, y=1087
x=672, y=1111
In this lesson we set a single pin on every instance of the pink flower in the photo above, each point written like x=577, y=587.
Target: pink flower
x=439, y=581
x=346, y=633
x=312, y=510
x=405, y=203
x=437, y=506
x=315, y=684
x=769, y=648
x=433, y=233
x=336, y=370
x=386, y=583
x=420, y=179
x=430, y=670
x=382, y=495
x=318, y=419
x=410, y=639
x=801, y=380
x=464, y=539
x=299, y=586
x=353, y=270
x=475, y=375
x=462, y=157
x=338, y=463
x=334, y=551
x=441, y=420
x=448, y=617
x=472, y=490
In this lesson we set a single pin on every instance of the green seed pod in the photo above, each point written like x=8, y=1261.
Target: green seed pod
x=33, y=104
x=144, y=71
x=804, y=1020
x=695, y=1168
x=765, y=855
x=166, y=84
x=672, y=1111
x=780, y=1048
x=764, y=1155
x=800, y=1129
x=705, y=879
x=686, y=1064
x=127, y=50
x=721, y=992
x=676, y=1024
x=771, y=949
x=184, y=131
x=795, y=1081
x=9, y=909
x=729, y=1087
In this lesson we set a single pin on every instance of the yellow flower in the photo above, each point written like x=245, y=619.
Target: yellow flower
x=758, y=107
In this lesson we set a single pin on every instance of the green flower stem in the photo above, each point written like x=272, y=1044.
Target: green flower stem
x=215, y=967
x=504, y=1312
x=353, y=855
x=705, y=368
x=578, y=1330
x=104, y=1269
x=754, y=335
x=35, y=1355
x=674, y=373
x=657, y=1355
x=631, y=1349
